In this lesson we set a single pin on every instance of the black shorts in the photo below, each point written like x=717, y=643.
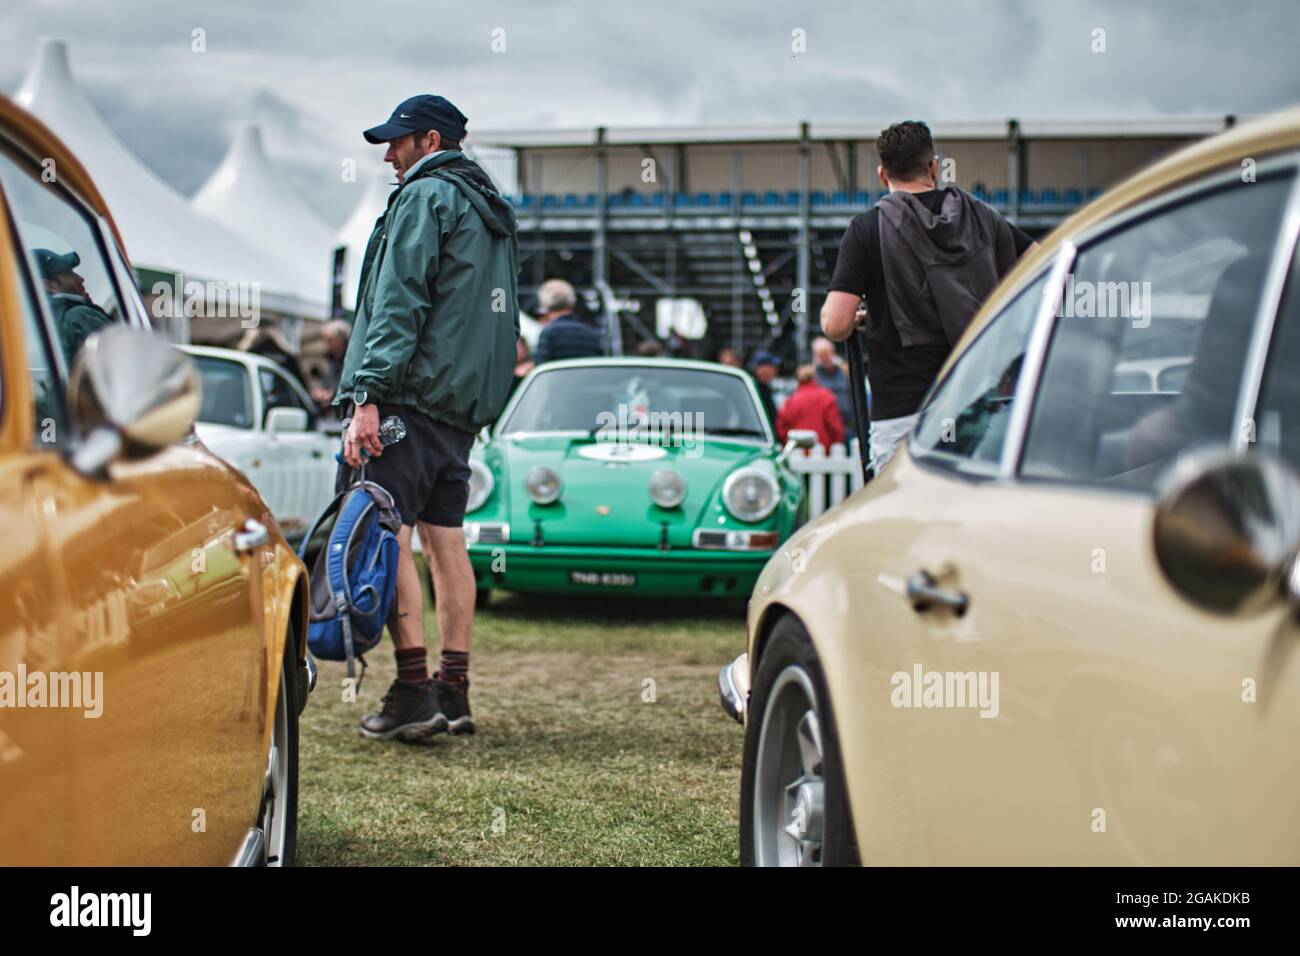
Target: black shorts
x=427, y=472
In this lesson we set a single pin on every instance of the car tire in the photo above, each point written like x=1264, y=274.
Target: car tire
x=278, y=814
x=787, y=780
x=481, y=598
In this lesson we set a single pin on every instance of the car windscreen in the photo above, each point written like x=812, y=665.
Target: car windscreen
x=586, y=398
x=226, y=399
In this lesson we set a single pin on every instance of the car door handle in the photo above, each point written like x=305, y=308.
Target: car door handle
x=924, y=593
x=252, y=537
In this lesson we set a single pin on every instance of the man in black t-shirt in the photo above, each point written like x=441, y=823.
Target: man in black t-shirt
x=901, y=374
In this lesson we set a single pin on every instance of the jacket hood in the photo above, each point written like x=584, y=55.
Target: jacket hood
x=469, y=177
x=954, y=234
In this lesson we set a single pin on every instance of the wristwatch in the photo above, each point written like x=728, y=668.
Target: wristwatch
x=360, y=397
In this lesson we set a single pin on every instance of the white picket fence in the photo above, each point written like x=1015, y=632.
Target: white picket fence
x=828, y=477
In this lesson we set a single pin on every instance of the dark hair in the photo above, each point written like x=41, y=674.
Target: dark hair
x=906, y=150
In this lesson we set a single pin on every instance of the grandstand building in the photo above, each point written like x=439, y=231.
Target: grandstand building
x=742, y=219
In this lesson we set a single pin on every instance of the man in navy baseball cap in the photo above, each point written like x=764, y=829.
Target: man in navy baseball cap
x=419, y=126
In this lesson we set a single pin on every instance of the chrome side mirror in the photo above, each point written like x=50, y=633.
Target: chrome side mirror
x=798, y=438
x=1227, y=531
x=130, y=395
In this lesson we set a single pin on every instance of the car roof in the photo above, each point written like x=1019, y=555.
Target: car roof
x=234, y=355
x=630, y=360
x=1255, y=139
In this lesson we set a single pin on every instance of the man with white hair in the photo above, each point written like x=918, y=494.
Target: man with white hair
x=564, y=335
x=335, y=334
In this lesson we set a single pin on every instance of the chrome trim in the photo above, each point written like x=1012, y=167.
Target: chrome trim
x=253, y=536
x=1270, y=302
x=311, y=672
x=250, y=851
x=729, y=693
x=1035, y=359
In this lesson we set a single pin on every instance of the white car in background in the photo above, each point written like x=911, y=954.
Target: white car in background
x=263, y=422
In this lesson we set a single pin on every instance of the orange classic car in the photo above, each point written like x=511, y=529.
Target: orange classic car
x=153, y=658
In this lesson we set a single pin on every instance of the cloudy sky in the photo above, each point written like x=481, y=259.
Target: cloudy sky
x=313, y=74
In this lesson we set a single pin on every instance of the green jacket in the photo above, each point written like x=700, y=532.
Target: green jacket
x=76, y=319
x=437, y=309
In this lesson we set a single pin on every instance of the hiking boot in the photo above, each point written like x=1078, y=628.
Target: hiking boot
x=453, y=702
x=410, y=712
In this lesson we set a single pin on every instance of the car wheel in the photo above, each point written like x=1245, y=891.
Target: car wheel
x=279, y=813
x=793, y=805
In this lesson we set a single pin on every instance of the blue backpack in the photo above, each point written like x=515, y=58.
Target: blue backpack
x=353, y=573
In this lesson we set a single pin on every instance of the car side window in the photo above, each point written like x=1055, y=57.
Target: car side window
x=226, y=399
x=964, y=423
x=278, y=393
x=1175, y=295
x=47, y=388
x=1278, y=411
x=63, y=247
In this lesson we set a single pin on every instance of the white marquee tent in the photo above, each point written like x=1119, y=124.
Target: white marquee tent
x=248, y=197
x=355, y=233
x=161, y=230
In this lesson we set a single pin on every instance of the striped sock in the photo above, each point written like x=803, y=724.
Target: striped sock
x=453, y=667
x=412, y=665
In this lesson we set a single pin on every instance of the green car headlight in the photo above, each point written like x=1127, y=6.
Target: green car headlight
x=667, y=488
x=750, y=494
x=544, y=485
x=481, y=483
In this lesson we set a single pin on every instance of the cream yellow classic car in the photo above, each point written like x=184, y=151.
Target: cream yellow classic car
x=152, y=618
x=1060, y=627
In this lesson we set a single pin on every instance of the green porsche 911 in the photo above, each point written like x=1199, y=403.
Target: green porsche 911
x=654, y=476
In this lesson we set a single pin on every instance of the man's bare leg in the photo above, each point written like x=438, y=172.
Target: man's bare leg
x=409, y=630
x=411, y=708
x=453, y=588
x=453, y=584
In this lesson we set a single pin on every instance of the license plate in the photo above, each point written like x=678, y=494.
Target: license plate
x=603, y=579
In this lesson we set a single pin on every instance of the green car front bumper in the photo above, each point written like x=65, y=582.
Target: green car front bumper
x=646, y=572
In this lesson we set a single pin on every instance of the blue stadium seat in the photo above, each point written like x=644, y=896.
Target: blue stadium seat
x=616, y=201
x=820, y=199
x=550, y=200
x=571, y=201
x=526, y=201
x=771, y=199
x=590, y=200
x=1073, y=197
x=980, y=193
x=702, y=199
x=749, y=199
x=657, y=200
x=636, y=200
x=840, y=198
x=1028, y=197
x=1001, y=197
x=1049, y=197
x=792, y=198
x=681, y=199
x=862, y=198
x=1093, y=193
x=724, y=199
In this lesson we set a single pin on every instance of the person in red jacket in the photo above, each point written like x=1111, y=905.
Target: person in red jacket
x=813, y=407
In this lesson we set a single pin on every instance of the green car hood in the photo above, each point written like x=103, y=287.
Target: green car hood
x=606, y=499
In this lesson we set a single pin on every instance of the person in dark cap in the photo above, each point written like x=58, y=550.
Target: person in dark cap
x=765, y=366
x=76, y=317
x=434, y=344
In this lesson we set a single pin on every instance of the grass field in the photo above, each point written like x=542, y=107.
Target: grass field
x=578, y=760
